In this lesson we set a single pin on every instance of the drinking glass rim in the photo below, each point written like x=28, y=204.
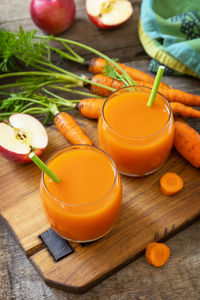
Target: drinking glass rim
x=81, y=146
x=130, y=137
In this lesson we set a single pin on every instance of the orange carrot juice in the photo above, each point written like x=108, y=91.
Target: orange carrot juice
x=86, y=202
x=137, y=137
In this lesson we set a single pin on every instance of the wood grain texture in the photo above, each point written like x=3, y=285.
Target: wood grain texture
x=146, y=215
x=82, y=30
x=179, y=279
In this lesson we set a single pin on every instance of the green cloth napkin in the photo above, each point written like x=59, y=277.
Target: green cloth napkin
x=170, y=33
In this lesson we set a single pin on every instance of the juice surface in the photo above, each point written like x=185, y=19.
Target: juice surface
x=82, y=176
x=130, y=116
x=86, y=202
x=137, y=137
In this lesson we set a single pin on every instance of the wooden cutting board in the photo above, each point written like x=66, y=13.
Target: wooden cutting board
x=146, y=215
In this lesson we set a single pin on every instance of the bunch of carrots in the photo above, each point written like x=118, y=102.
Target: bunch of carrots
x=52, y=105
x=187, y=139
x=108, y=77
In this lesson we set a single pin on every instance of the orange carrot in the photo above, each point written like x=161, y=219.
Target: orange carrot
x=97, y=67
x=187, y=142
x=171, y=183
x=175, y=95
x=107, y=81
x=70, y=129
x=172, y=95
x=157, y=254
x=184, y=110
x=91, y=107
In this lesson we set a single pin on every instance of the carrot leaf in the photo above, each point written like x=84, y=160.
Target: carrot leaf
x=110, y=71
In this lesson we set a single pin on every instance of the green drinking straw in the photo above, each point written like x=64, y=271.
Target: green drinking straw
x=43, y=167
x=156, y=85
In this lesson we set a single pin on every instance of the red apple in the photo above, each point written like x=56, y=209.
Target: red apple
x=20, y=136
x=53, y=16
x=109, y=14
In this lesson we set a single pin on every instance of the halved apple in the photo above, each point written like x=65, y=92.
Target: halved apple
x=20, y=136
x=109, y=14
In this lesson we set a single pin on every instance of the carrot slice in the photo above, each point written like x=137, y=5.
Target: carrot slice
x=171, y=183
x=157, y=254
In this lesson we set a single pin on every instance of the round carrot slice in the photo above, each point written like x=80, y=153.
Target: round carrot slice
x=171, y=183
x=157, y=254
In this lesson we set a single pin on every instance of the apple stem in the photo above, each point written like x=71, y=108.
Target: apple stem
x=43, y=167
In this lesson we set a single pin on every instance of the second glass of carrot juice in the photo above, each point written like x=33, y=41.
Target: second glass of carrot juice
x=85, y=204
x=137, y=137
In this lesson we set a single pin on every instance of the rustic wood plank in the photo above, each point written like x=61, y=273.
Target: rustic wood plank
x=143, y=218
x=146, y=215
x=83, y=31
x=180, y=277
x=28, y=227
x=32, y=222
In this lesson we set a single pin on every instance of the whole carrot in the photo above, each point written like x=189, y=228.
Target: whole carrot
x=70, y=129
x=187, y=142
x=175, y=95
x=184, y=110
x=96, y=66
x=90, y=107
x=107, y=81
x=172, y=95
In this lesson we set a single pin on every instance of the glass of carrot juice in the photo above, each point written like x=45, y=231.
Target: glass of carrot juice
x=85, y=204
x=137, y=137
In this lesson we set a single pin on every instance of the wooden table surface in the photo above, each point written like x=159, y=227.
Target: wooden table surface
x=180, y=277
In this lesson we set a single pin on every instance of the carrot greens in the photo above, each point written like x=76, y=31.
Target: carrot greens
x=36, y=104
x=26, y=60
x=34, y=51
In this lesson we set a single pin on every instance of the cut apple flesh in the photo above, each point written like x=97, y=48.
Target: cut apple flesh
x=23, y=134
x=10, y=140
x=110, y=12
x=34, y=132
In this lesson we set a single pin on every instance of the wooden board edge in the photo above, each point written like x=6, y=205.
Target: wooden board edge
x=83, y=289
x=29, y=252
x=79, y=290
